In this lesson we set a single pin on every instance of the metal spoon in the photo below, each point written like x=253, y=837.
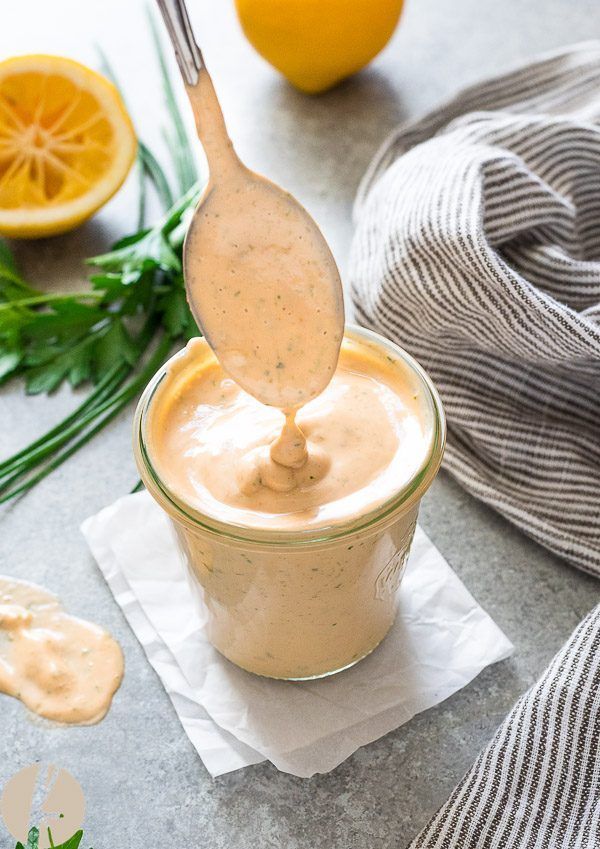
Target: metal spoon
x=260, y=278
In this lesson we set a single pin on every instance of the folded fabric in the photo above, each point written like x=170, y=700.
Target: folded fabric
x=478, y=249
x=537, y=785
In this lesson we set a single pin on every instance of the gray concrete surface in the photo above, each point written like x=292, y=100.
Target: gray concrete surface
x=145, y=785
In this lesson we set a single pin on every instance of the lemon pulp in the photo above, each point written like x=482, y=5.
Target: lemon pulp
x=66, y=144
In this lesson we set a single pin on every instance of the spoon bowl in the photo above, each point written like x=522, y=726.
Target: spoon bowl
x=268, y=265
x=260, y=278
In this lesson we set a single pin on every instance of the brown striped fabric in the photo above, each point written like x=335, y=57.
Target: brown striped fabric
x=478, y=249
x=537, y=784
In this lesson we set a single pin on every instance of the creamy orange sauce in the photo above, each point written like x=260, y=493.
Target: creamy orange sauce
x=367, y=434
x=304, y=611
x=287, y=610
x=60, y=667
x=261, y=282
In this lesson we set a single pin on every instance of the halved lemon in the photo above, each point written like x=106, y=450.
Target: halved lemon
x=66, y=144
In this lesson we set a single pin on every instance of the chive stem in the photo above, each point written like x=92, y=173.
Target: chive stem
x=107, y=385
x=104, y=388
x=152, y=168
x=51, y=298
x=110, y=411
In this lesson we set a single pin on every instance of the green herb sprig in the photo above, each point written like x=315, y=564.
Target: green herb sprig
x=114, y=335
x=33, y=840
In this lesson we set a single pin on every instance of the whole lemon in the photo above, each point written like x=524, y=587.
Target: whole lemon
x=318, y=43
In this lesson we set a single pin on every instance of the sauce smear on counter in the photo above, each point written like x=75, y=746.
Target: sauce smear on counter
x=60, y=667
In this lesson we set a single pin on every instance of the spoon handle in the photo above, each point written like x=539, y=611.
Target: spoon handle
x=178, y=24
x=208, y=116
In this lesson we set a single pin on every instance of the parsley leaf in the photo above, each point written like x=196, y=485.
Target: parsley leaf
x=112, y=335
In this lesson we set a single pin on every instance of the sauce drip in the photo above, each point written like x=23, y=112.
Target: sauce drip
x=264, y=287
x=60, y=667
x=367, y=434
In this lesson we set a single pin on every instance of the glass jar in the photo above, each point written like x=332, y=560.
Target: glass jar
x=300, y=604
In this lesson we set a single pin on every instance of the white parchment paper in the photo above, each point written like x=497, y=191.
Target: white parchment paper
x=441, y=640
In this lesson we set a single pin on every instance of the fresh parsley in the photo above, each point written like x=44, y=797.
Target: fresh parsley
x=113, y=335
x=33, y=840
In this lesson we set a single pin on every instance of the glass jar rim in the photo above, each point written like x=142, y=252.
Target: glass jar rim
x=373, y=519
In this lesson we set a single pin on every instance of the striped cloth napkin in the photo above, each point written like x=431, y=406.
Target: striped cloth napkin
x=537, y=784
x=478, y=249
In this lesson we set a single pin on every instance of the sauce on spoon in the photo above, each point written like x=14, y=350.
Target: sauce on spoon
x=260, y=277
x=263, y=285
